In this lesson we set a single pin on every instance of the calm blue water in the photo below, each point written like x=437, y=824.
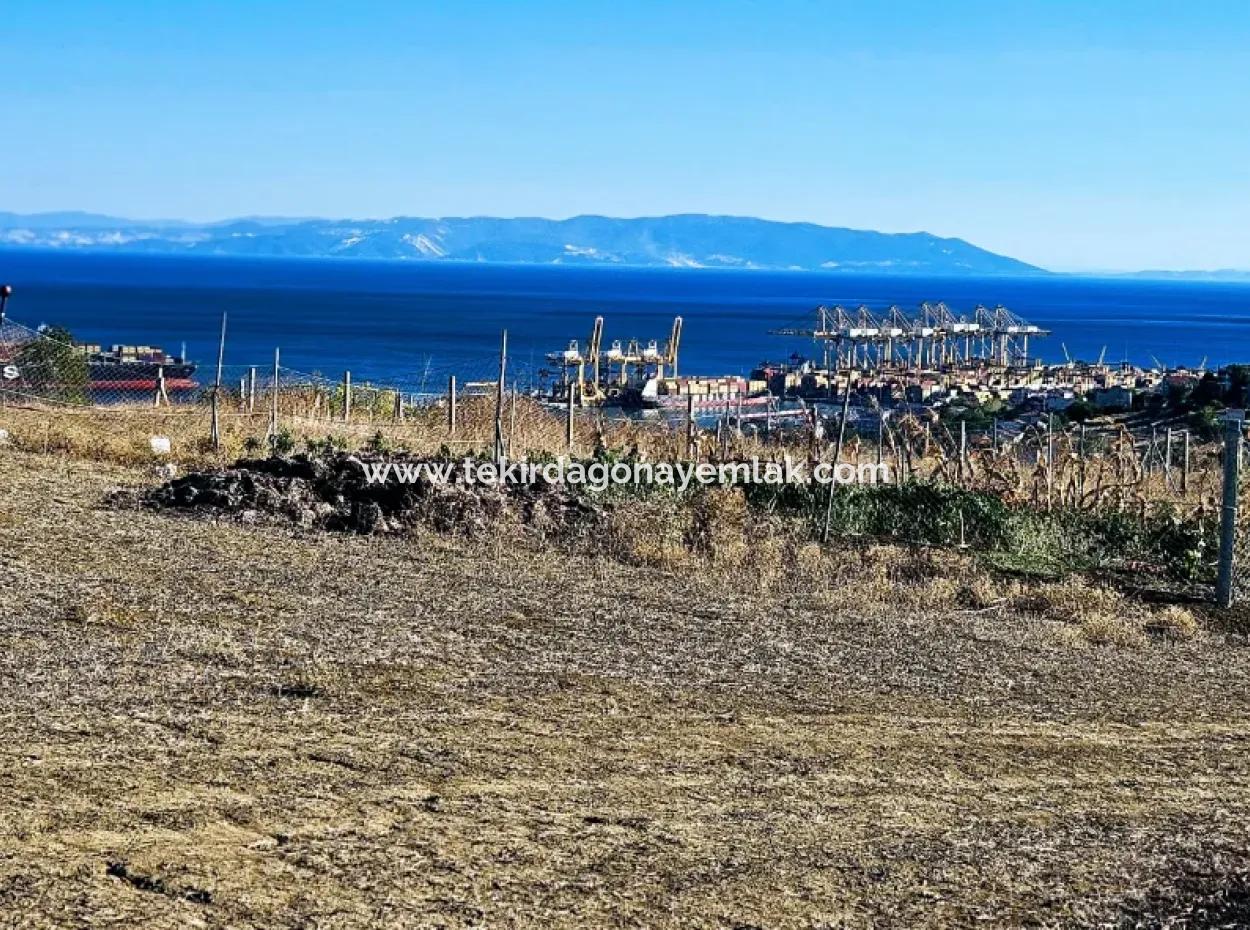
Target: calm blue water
x=402, y=322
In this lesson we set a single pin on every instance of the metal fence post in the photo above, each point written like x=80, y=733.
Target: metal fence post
x=1228, y=511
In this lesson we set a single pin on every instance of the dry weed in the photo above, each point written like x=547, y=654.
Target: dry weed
x=980, y=592
x=1070, y=600
x=648, y=531
x=1098, y=628
x=1172, y=622
x=718, y=525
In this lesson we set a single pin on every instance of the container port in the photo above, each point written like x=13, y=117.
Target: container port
x=887, y=359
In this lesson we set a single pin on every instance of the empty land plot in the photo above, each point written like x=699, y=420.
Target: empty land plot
x=221, y=725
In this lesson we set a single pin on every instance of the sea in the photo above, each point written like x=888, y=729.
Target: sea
x=410, y=324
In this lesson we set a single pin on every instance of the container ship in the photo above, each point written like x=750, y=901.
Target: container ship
x=717, y=393
x=137, y=368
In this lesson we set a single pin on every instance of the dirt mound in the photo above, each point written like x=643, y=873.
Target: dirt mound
x=333, y=492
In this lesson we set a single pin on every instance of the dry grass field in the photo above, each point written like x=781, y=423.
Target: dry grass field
x=223, y=725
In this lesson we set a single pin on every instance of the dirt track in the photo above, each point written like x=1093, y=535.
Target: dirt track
x=226, y=725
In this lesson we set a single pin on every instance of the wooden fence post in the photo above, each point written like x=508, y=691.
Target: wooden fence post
x=512, y=404
x=161, y=393
x=1050, y=460
x=1185, y=465
x=1082, y=466
x=251, y=389
x=837, y=454
x=963, y=449
x=1167, y=460
x=273, y=408
x=689, y=423
x=500, y=449
x=1228, y=512
x=347, y=396
x=215, y=428
x=451, y=406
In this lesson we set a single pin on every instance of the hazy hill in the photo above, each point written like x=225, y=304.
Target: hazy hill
x=691, y=240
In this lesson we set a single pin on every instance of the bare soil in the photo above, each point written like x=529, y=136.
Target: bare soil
x=212, y=724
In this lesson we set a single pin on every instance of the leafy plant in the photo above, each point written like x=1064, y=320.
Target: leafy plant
x=282, y=443
x=52, y=366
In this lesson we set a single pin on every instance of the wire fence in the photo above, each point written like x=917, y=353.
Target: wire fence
x=1233, y=574
x=1150, y=476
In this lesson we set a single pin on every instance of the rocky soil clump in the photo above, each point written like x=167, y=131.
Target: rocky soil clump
x=333, y=492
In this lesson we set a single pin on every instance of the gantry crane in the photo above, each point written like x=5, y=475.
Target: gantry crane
x=931, y=338
x=573, y=361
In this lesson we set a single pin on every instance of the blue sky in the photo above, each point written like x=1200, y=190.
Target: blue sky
x=1086, y=135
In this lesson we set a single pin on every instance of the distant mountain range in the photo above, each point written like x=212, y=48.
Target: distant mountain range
x=1234, y=275
x=688, y=241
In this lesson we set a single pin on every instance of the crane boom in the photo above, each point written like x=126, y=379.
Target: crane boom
x=670, y=350
x=592, y=349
